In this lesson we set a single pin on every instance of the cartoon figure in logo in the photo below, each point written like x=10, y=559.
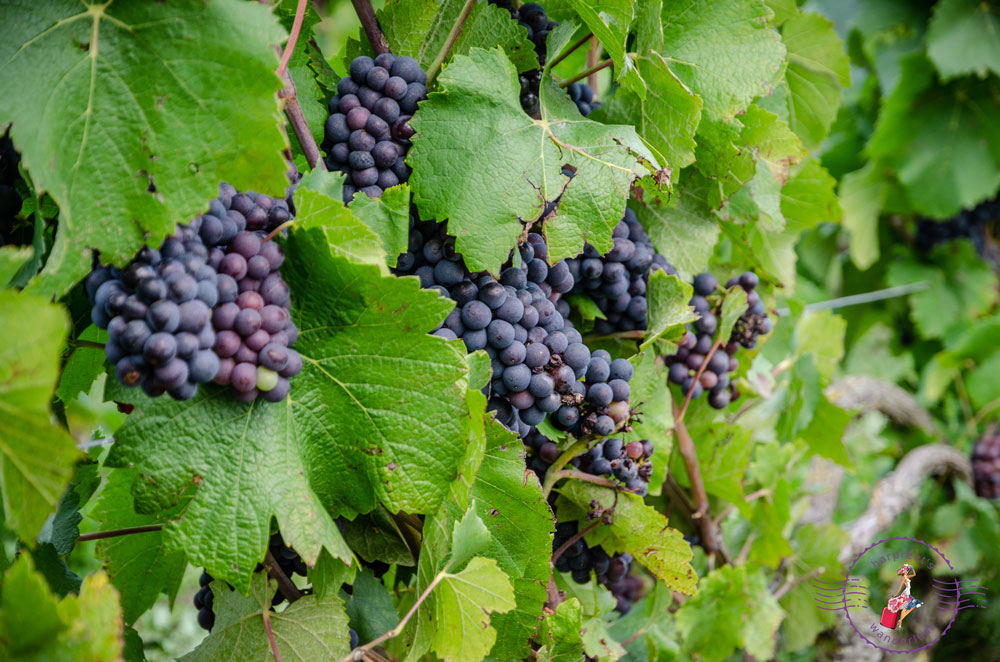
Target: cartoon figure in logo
x=902, y=602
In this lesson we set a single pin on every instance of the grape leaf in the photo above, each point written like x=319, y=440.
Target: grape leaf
x=652, y=402
x=459, y=601
x=82, y=367
x=372, y=417
x=683, y=229
x=963, y=37
x=960, y=288
x=139, y=566
x=772, y=142
x=861, y=196
x=816, y=547
x=389, y=217
x=35, y=627
x=733, y=307
x=941, y=139
x=668, y=309
x=309, y=630
x=809, y=198
x=126, y=131
x=370, y=607
x=610, y=20
x=560, y=636
x=740, y=600
x=510, y=502
x=419, y=28
x=12, y=258
x=476, y=120
x=376, y=536
x=724, y=467
x=639, y=530
x=36, y=456
x=723, y=50
x=825, y=432
x=770, y=515
x=667, y=117
x=318, y=205
x=818, y=70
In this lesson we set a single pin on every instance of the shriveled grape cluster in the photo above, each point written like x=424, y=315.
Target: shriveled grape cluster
x=579, y=560
x=696, y=345
x=368, y=131
x=538, y=358
x=533, y=18
x=611, y=458
x=617, y=280
x=209, y=304
x=986, y=465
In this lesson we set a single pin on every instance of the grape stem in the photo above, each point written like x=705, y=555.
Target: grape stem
x=793, y=582
x=293, y=111
x=592, y=55
x=363, y=8
x=679, y=416
x=552, y=475
x=586, y=72
x=566, y=53
x=701, y=512
x=287, y=224
x=285, y=585
x=576, y=536
x=435, y=68
x=637, y=334
x=114, y=533
x=266, y=613
x=300, y=12
x=579, y=475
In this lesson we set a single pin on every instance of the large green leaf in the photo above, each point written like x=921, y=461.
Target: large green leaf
x=723, y=50
x=126, y=130
x=309, y=630
x=610, y=20
x=682, y=228
x=374, y=417
x=140, y=566
x=36, y=456
x=861, y=195
x=942, y=140
x=964, y=38
x=809, y=197
x=668, y=307
x=480, y=162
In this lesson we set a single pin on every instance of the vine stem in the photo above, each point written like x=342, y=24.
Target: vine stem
x=679, y=416
x=592, y=55
x=293, y=111
x=566, y=53
x=552, y=475
x=300, y=12
x=792, y=583
x=597, y=480
x=701, y=512
x=270, y=635
x=583, y=74
x=358, y=652
x=287, y=224
x=114, y=533
x=576, y=536
x=456, y=30
x=285, y=585
x=369, y=23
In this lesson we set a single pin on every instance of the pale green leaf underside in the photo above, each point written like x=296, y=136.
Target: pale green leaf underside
x=129, y=132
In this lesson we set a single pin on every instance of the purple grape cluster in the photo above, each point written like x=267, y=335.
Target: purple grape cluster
x=538, y=358
x=617, y=280
x=532, y=17
x=367, y=133
x=610, y=458
x=579, y=560
x=208, y=305
x=697, y=343
x=157, y=311
x=626, y=591
x=986, y=465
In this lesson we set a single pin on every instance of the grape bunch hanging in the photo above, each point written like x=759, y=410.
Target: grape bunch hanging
x=533, y=18
x=208, y=305
x=538, y=358
x=611, y=458
x=579, y=559
x=617, y=280
x=367, y=133
x=695, y=352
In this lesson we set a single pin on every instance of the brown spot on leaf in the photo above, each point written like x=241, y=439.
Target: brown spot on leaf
x=391, y=466
x=494, y=512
